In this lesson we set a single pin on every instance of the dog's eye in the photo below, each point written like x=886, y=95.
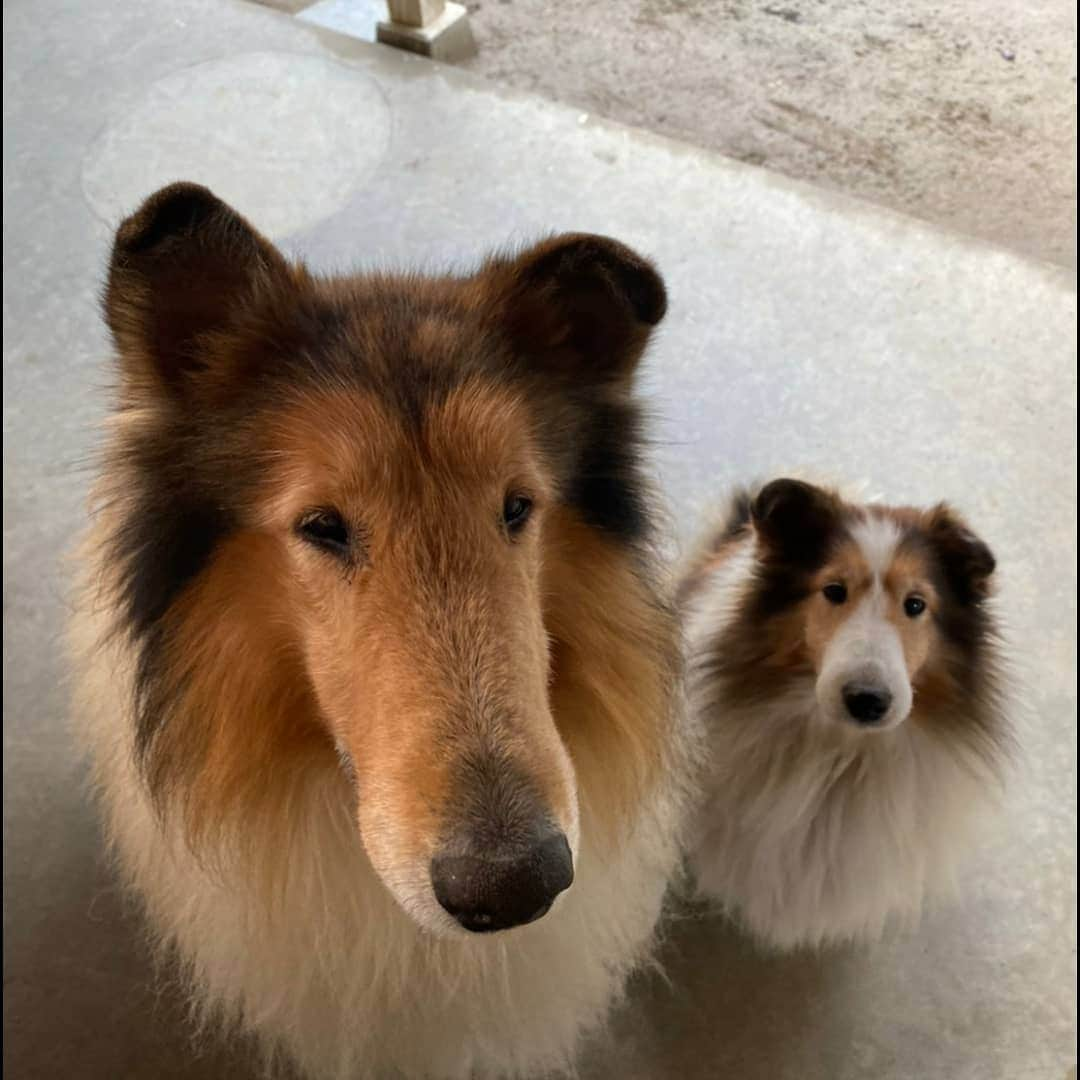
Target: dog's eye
x=516, y=510
x=835, y=592
x=325, y=529
x=914, y=606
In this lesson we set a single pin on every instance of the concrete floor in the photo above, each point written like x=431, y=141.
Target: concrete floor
x=805, y=330
x=960, y=113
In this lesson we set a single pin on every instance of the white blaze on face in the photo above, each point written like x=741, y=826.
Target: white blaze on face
x=864, y=679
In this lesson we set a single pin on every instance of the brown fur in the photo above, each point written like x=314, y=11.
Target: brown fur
x=613, y=669
x=451, y=666
x=786, y=623
x=855, y=738
x=908, y=573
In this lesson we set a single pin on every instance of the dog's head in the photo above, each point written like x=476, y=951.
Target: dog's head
x=882, y=604
x=341, y=507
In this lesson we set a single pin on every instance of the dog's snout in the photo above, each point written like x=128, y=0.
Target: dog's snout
x=495, y=891
x=866, y=704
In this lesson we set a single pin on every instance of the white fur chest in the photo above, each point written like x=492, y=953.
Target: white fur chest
x=808, y=840
x=321, y=964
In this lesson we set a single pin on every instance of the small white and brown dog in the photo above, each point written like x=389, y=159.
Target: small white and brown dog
x=844, y=660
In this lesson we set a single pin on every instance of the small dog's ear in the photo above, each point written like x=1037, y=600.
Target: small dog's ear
x=967, y=563
x=182, y=266
x=578, y=304
x=795, y=520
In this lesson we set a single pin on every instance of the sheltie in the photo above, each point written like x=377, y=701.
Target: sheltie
x=374, y=662
x=844, y=660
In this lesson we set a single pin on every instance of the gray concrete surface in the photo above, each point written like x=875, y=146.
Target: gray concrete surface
x=356, y=18
x=961, y=112
x=805, y=329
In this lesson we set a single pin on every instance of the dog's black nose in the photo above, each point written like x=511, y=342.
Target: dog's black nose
x=486, y=893
x=866, y=705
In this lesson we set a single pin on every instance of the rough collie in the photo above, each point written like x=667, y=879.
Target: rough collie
x=844, y=661
x=378, y=680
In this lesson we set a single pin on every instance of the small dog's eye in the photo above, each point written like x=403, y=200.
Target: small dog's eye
x=325, y=529
x=835, y=592
x=914, y=606
x=516, y=510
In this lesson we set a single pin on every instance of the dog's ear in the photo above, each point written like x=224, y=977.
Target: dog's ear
x=183, y=267
x=578, y=305
x=966, y=562
x=795, y=520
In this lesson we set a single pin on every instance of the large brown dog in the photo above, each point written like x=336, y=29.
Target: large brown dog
x=372, y=654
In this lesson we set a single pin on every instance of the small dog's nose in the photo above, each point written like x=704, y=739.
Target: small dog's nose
x=486, y=893
x=866, y=704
